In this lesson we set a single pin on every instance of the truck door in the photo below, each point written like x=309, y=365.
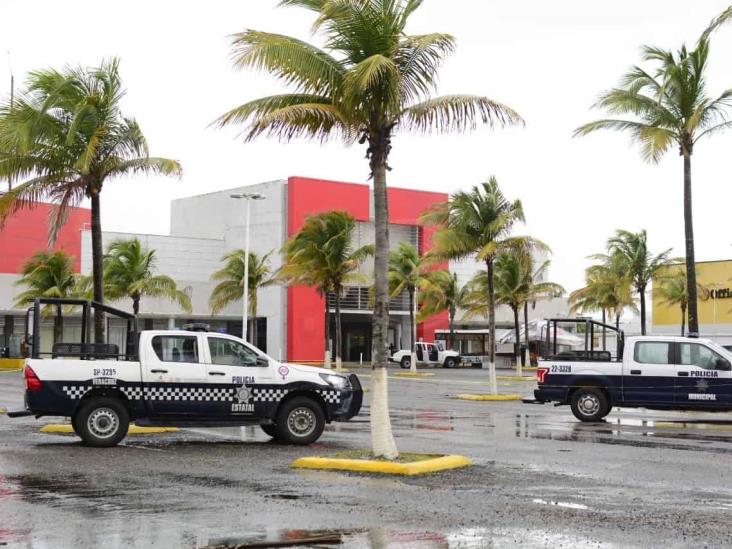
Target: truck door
x=433, y=353
x=703, y=377
x=174, y=375
x=420, y=352
x=233, y=370
x=649, y=374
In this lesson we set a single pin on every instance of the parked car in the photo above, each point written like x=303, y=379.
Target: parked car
x=427, y=354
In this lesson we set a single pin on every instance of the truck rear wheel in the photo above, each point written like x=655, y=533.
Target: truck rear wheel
x=300, y=421
x=589, y=404
x=450, y=362
x=102, y=422
x=405, y=363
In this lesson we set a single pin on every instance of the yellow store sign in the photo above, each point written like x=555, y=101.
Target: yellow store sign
x=714, y=300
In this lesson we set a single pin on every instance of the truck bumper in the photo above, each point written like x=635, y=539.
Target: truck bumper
x=350, y=402
x=549, y=394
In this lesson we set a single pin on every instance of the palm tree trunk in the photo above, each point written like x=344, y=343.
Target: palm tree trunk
x=683, y=319
x=338, y=328
x=617, y=322
x=642, y=292
x=135, y=304
x=58, y=326
x=97, y=264
x=253, y=302
x=326, y=360
x=452, y=328
x=412, y=332
x=525, y=355
x=382, y=440
x=517, y=346
x=689, y=238
x=491, y=327
x=604, y=331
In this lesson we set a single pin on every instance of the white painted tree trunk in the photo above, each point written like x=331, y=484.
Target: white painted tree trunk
x=494, y=381
x=382, y=440
x=413, y=363
x=339, y=364
x=326, y=361
x=519, y=368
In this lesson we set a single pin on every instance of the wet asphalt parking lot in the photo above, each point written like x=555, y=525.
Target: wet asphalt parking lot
x=539, y=479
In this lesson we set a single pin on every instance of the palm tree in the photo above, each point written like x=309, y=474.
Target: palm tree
x=407, y=273
x=129, y=272
x=631, y=252
x=230, y=287
x=478, y=223
x=536, y=289
x=667, y=106
x=442, y=292
x=64, y=137
x=608, y=289
x=321, y=254
x=672, y=292
x=47, y=274
x=370, y=80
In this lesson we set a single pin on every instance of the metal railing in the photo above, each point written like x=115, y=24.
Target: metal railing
x=357, y=298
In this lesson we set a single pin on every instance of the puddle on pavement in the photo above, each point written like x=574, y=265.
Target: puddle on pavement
x=637, y=432
x=563, y=504
x=382, y=538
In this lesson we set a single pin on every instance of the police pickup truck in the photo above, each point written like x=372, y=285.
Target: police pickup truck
x=182, y=378
x=656, y=372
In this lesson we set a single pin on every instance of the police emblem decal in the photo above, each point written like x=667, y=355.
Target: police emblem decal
x=243, y=395
x=702, y=385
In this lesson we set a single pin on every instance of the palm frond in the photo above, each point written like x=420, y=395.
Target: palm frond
x=457, y=113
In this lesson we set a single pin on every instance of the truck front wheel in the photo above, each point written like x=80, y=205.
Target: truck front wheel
x=590, y=404
x=102, y=422
x=405, y=363
x=300, y=421
x=450, y=362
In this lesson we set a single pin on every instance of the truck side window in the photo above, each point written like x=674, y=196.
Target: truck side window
x=652, y=352
x=169, y=348
x=694, y=354
x=228, y=352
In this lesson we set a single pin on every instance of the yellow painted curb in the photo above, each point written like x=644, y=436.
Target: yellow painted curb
x=11, y=364
x=465, y=396
x=410, y=374
x=516, y=378
x=384, y=467
x=66, y=428
x=3, y=410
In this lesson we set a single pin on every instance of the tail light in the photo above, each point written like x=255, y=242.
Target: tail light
x=541, y=374
x=32, y=383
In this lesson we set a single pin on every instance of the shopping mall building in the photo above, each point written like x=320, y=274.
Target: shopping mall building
x=203, y=228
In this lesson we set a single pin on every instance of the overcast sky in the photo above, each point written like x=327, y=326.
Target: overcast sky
x=548, y=60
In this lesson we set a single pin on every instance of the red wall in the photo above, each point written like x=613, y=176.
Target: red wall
x=305, y=308
x=306, y=196
x=26, y=232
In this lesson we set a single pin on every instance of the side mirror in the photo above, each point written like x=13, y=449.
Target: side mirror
x=722, y=364
x=262, y=362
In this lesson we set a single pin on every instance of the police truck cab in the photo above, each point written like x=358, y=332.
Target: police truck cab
x=181, y=378
x=655, y=372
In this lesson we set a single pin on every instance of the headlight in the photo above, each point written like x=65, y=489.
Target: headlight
x=339, y=382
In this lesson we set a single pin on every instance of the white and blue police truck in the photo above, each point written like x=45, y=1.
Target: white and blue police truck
x=182, y=378
x=654, y=372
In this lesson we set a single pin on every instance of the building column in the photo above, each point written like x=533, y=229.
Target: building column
x=171, y=323
x=8, y=330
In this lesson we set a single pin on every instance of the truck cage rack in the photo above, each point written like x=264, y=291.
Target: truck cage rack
x=589, y=353
x=85, y=349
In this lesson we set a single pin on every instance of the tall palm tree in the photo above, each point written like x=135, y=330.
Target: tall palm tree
x=64, y=137
x=47, y=274
x=129, y=272
x=631, y=252
x=369, y=81
x=321, y=254
x=667, y=106
x=478, y=224
x=442, y=292
x=407, y=273
x=230, y=287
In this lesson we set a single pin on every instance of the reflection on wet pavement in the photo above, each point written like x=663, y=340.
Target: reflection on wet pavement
x=703, y=435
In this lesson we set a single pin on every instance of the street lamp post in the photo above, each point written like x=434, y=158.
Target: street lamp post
x=247, y=197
